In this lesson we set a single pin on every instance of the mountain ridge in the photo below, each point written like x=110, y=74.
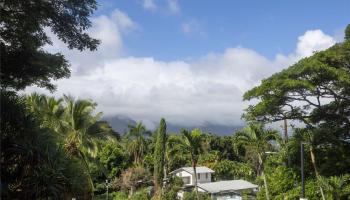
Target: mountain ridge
x=120, y=124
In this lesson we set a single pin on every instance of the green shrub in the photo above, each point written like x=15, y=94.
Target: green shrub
x=120, y=196
x=192, y=196
x=169, y=195
x=140, y=195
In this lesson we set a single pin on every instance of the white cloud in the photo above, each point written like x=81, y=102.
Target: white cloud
x=110, y=30
x=173, y=6
x=208, y=89
x=122, y=20
x=313, y=40
x=310, y=42
x=167, y=6
x=149, y=5
x=191, y=27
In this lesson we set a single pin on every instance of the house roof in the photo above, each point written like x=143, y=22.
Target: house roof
x=198, y=170
x=226, y=186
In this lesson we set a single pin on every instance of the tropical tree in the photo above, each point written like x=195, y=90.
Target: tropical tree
x=223, y=144
x=73, y=119
x=136, y=142
x=314, y=91
x=193, y=144
x=49, y=110
x=33, y=164
x=113, y=158
x=29, y=168
x=78, y=118
x=74, y=122
x=258, y=139
x=228, y=170
x=132, y=178
x=336, y=187
x=82, y=135
x=24, y=32
x=159, y=156
x=176, y=154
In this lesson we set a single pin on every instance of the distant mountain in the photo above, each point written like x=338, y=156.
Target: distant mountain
x=120, y=124
x=207, y=128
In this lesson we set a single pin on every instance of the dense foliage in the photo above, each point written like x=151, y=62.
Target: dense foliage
x=58, y=148
x=315, y=93
x=159, y=156
x=24, y=32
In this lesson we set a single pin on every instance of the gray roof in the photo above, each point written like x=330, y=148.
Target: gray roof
x=198, y=170
x=225, y=186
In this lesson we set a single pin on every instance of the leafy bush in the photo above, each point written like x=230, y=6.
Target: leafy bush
x=192, y=196
x=120, y=196
x=141, y=195
x=169, y=195
x=113, y=158
x=227, y=169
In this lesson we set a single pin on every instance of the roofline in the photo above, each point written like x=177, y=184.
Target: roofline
x=182, y=168
x=235, y=191
x=223, y=191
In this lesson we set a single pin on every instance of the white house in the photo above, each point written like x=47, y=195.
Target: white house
x=220, y=190
x=187, y=175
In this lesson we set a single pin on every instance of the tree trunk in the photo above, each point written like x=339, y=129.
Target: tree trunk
x=264, y=177
x=165, y=178
x=131, y=191
x=285, y=130
x=265, y=184
x=313, y=161
x=195, y=179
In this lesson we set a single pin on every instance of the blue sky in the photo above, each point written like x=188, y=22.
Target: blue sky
x=190, y=61
x=268, y=27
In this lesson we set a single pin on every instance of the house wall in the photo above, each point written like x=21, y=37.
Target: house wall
x=185, y=174
x=226, y=196
x=203, y=177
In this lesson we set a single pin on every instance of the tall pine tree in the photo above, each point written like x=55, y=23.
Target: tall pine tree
x=159, y=156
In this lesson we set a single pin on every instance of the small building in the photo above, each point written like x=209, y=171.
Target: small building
x=228, y=190
x=187, y=175
x=220, y=190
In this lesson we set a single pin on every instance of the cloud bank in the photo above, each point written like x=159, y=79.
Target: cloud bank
x=208, y=89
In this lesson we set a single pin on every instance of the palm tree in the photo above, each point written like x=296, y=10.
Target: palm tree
x=73, y=119
x=77, y=127
x=82, y=135
x=336, y=187
x=258, y=139
x=49, y=109
x=136, y=141
x=193, y=144
x=175, y=154
x=78, y=119
x=307, y=136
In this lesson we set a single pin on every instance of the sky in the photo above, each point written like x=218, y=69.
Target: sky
x=191, y=61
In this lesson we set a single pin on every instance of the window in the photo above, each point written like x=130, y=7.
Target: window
x=186, y=180
x=199, y=176
x=206, y=175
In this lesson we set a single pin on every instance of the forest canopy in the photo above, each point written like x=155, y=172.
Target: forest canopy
x=61, y=148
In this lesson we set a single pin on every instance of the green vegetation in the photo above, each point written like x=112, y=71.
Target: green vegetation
x=193, y=144
x=58, y=148
x=159, y=157
x=257, y=139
